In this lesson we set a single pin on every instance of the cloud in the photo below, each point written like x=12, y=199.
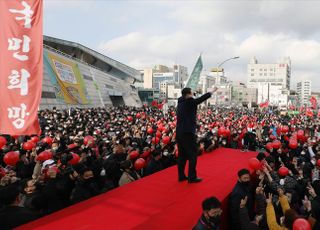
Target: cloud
x=294, y=17
x=142, y=50
x=145, y=33
x=269, y=30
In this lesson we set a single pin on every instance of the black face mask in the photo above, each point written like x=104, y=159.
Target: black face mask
x=245, y=183
x=215, y=219
x=88, y=181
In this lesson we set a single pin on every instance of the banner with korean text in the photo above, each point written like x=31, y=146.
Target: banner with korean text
x=21, y=66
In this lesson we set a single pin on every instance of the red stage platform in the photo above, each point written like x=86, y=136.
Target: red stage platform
x=154, y=202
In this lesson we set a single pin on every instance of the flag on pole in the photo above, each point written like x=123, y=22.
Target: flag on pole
x=21, y=66
x=313, y=101
x=309, y=112
x=154, y=103
x=193, y=80
x=264, y=104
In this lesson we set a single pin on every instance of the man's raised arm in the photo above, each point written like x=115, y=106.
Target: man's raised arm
x=205, y=96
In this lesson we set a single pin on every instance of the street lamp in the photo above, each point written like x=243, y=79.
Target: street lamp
x=229, y=59
x=236, y=57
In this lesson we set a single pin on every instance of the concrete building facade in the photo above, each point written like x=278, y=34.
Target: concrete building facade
x=241, y=95
x=304, y=91
x=271, y=80
x=153, y=77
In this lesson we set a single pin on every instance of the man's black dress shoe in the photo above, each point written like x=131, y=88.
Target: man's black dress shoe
x=195, y=180
x=183, y=179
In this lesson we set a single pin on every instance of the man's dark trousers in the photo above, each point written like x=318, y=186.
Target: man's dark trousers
x=187, y=149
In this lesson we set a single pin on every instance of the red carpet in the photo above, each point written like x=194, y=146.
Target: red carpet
x=154, y=202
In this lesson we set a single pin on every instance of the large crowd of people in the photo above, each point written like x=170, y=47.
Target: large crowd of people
x=85, y=152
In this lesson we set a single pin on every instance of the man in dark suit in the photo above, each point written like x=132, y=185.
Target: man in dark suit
x=242, y=190
x=186, y=133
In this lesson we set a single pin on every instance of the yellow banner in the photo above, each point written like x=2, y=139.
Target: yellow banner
x=69, y=79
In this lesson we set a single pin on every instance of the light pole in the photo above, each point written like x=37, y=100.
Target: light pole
x=236, y=57
x=229, y=59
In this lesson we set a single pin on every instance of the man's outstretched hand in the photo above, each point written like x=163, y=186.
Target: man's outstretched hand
x=214, y=90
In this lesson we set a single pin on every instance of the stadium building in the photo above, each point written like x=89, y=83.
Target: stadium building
x=76, y=76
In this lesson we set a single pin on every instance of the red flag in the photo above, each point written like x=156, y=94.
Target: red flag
x=264, y=104
x=313, y=101
x=292, y=107
x=309, y=112
x=160, y=105
x=21, y=66
x=154, y=103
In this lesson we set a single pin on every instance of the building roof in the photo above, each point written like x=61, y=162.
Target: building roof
x=92, y=57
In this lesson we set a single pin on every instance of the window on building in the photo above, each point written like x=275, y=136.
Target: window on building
x=109, y=86
x=252, y=74
x=46, y=94
x=87, y=77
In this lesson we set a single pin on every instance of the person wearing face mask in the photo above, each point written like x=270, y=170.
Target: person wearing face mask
x=12, y=215
x=129, y=174
x=155, y=164
x=241, y=190
x=211, y=215
x=29, y=193
x=55, y=146
x=85, y=187
x=224, y=143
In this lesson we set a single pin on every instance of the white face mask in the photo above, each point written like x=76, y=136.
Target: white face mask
x=313, y=162
x=103, y=172
x=281, y=181
x=165, y=153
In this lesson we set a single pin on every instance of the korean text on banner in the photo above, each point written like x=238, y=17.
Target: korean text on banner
x=21, y=66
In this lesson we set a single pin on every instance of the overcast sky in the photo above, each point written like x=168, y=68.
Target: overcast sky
x=145, y=33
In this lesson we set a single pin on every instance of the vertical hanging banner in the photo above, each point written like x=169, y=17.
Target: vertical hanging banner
x=21, y=66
